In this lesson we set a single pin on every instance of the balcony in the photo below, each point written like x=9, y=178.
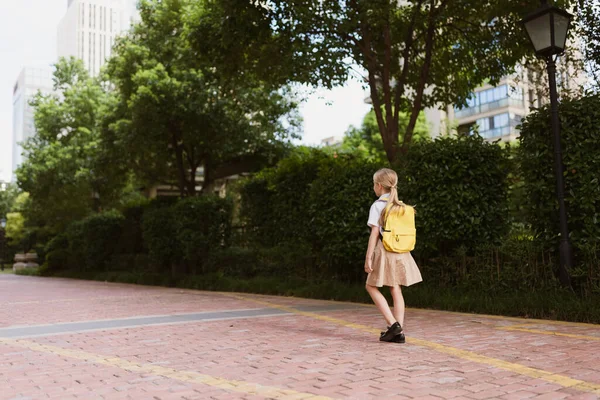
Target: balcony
x=496, y=133
x=482, y=108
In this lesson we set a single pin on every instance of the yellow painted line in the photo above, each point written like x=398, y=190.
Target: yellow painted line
x=549, y=333
x=526, y=325
x=270, y=392
x=18, y=303
x=561, y=380
x=141, y=296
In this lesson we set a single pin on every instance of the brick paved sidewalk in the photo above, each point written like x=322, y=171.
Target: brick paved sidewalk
x=67, y=339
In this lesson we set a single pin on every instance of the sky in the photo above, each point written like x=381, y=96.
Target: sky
x=28, y=38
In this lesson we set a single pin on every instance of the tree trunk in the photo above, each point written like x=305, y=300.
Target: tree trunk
x=424, y=76
x=207, y=184
x=178, y=148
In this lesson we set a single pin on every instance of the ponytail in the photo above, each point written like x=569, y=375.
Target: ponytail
x=393, y=203
x=389, y=180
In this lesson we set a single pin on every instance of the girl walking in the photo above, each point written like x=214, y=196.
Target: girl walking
x=386, y=268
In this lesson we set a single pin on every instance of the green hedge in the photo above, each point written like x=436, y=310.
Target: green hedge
x=459, y=186
x=202, y=225
x=154, y=237
x=580, y=139
x=100, y=234
x=160, y=236
x=276, y=202
x=340, y=199
x=580, y=134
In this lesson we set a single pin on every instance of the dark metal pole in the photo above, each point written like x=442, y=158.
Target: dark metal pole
x=566, y=254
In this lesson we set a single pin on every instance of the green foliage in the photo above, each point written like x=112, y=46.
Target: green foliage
x=67, y=172
x=340, y=199
x=202, y=225
x=98, y=236
x=284, y=261
x=586, y=29
x=160, y=236
x=459, y=186
x=366, y=140
x=15, y=229
x=276, y=201
x=131, y=240
x=8, y=195
x=403, y=47
x=174, y=116
x=580, y=140
x=460, y=189
x=57, y=253
x=29, y=272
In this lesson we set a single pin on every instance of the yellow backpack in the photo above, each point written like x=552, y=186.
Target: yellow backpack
x=399, y=233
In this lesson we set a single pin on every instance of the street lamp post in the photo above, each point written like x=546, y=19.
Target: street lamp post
x=547, y=29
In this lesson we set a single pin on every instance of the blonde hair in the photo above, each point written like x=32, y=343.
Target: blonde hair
x=389, y=180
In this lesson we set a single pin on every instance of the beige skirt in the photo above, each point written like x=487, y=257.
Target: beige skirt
x=392, y=269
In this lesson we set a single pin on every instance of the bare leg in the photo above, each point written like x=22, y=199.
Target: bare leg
x=381, y=304
x=398, y=304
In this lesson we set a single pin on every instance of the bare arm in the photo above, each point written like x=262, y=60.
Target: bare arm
x=371, y=248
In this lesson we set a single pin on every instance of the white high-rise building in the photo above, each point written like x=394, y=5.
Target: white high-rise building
x=89, y=28
x=30, y=81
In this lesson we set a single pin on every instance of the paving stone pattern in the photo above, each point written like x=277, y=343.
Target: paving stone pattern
x=70, y=339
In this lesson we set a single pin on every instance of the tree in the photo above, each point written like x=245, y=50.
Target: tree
x=416, y=53
x=367, y=140
x=17, y=233
x=587, y=28
x=175, y=115
x=67, y=173
x=7, y=198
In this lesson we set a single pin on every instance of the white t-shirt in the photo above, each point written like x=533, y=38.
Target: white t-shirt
x=376, y=209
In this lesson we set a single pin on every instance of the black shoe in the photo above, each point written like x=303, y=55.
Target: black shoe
x=399, y=338
x=391, y=333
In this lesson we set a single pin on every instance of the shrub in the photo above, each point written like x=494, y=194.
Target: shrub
x=131, y=240
x=276, y=204
x=160, y=236
x=580, y=138
x=340, y=199
x=100, y=233
x=460, y=189
x=202, y=224
x=57, y=254
x=76, y=248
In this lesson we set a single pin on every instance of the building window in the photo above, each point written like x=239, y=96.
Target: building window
x=94, y=54
x=497, y=125
x=490, y=99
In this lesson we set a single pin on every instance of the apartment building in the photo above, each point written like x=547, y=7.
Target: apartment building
x=31, y=80
x=89, y=29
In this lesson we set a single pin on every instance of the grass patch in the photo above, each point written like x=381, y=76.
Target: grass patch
x=554, y=304
x=28, y=272
x=7, y=269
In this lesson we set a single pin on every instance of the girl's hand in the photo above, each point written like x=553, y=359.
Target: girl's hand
x=368, y=268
